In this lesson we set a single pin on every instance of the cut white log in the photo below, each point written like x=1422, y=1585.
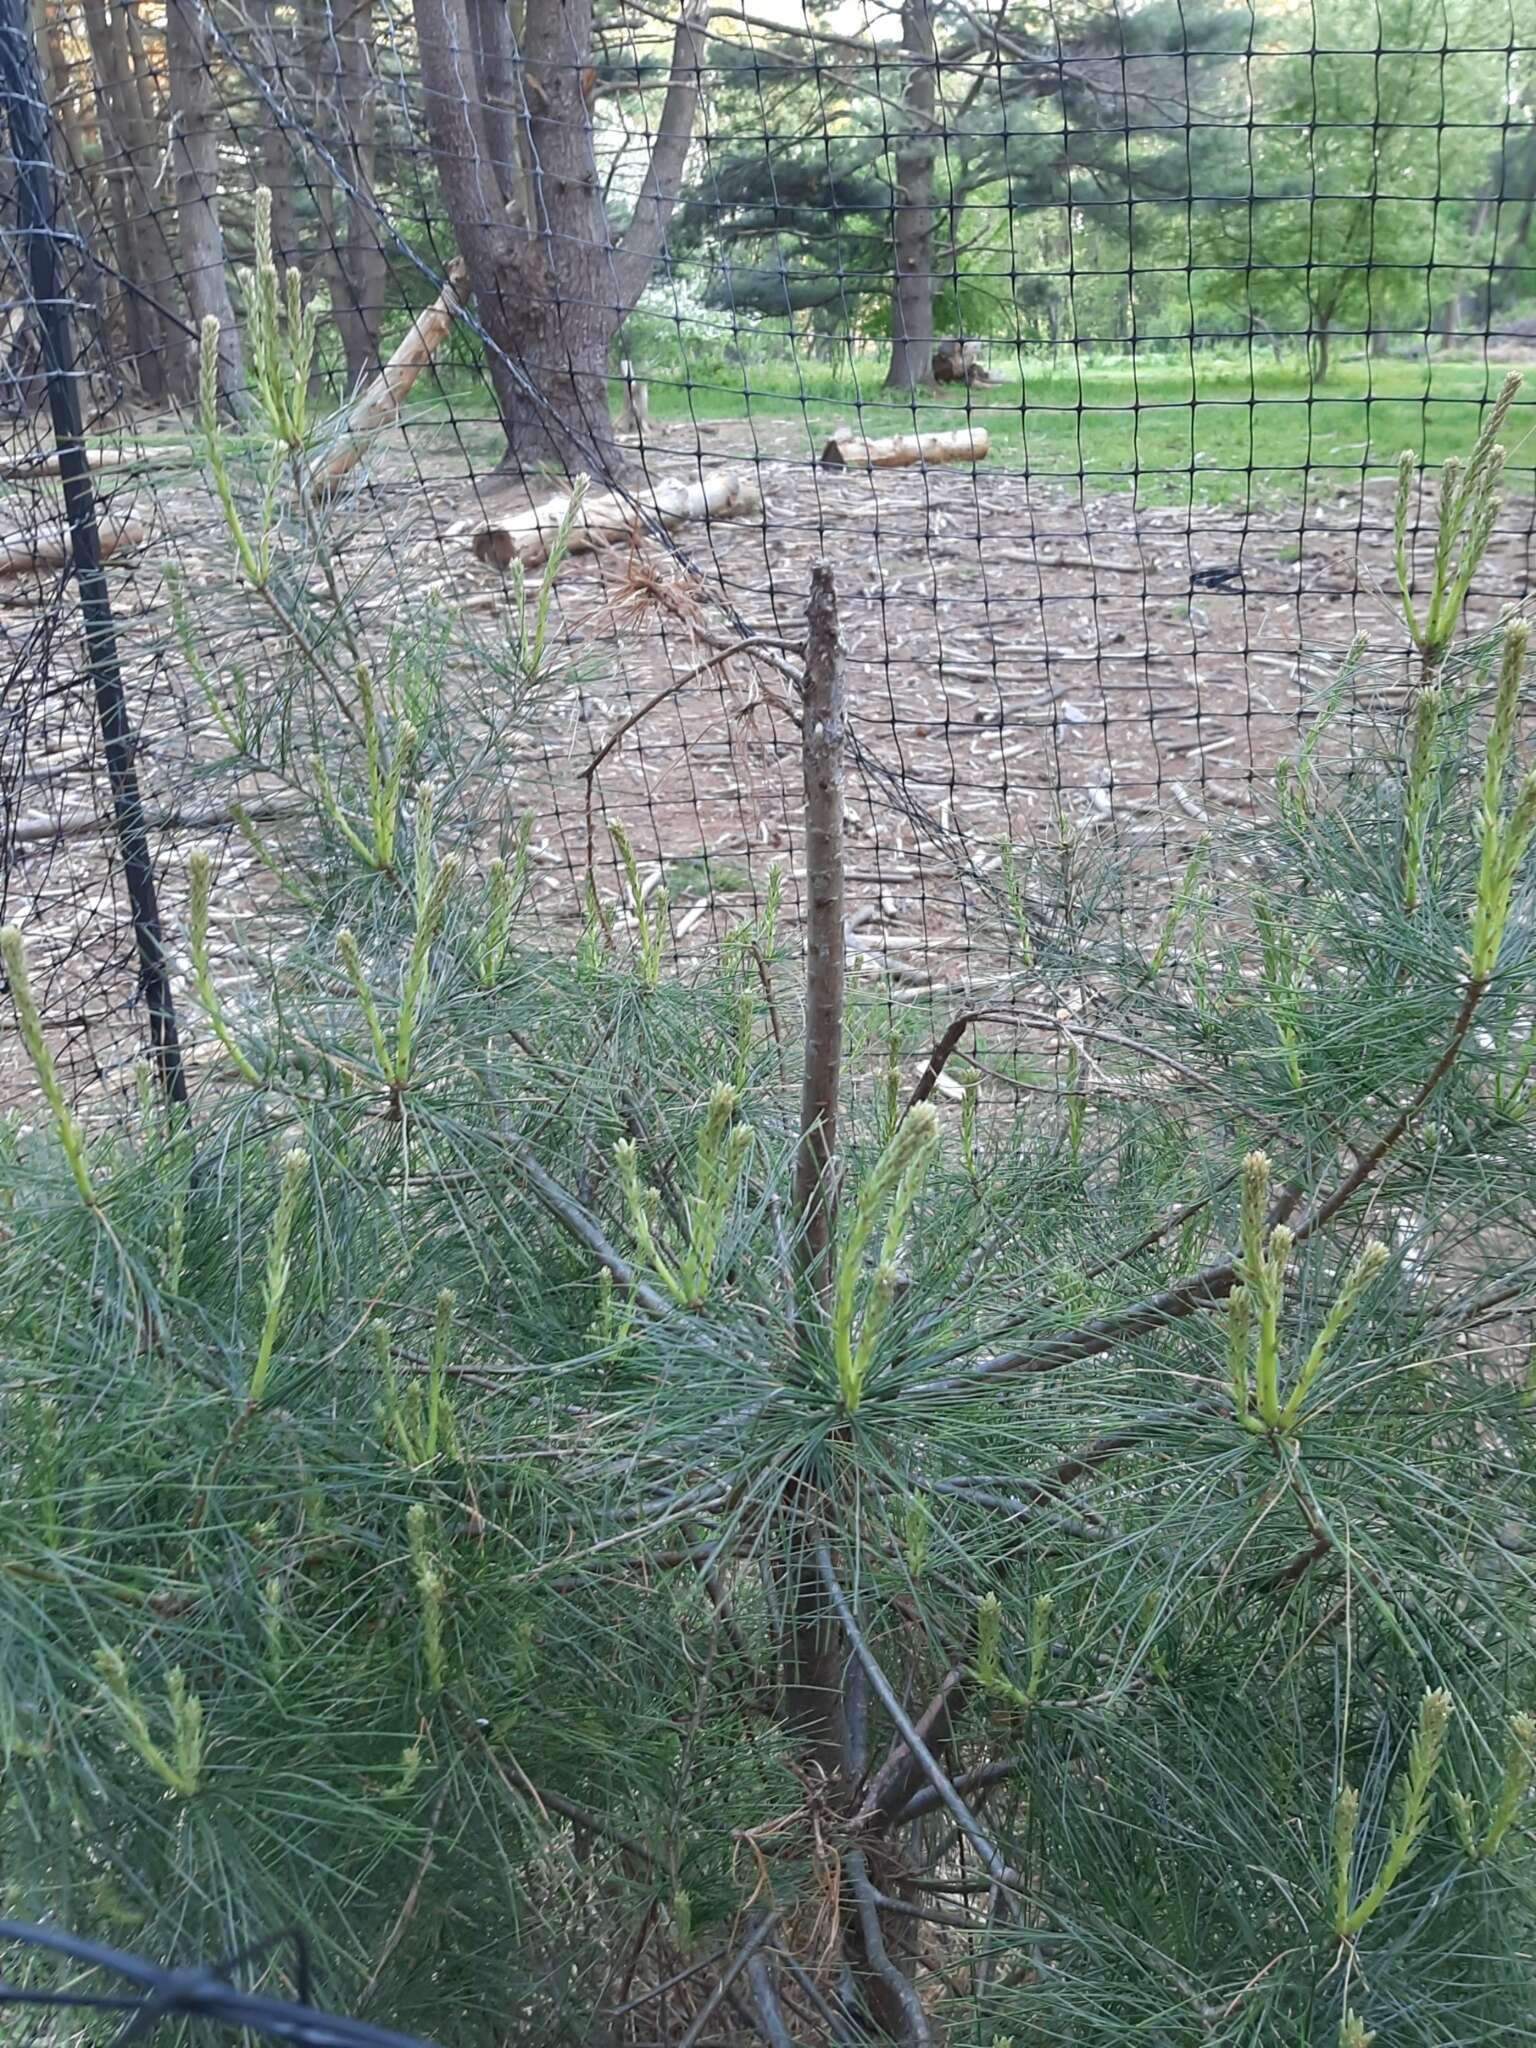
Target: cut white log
x=378, y=404
x=25, y=468
x=846, y=450
x=37, y=552
x=527, y=536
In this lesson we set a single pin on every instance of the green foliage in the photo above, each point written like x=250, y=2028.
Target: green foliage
x=415, y=1524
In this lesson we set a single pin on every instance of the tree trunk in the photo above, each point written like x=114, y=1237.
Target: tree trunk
x=195, y=156
x=357, y=291
x=495, y=66
x=129, y=149
x=914, y=219
x=278, y=54
x=1321, y=348
x=551, y=288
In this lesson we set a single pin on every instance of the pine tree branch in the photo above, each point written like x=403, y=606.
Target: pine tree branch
x=640, y=245
x=949, y=1798
x=1212, y=1285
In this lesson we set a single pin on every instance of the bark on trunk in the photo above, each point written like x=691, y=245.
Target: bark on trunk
x=551, y=287
x=363, y=270
x=545, y=293
x=196, y=159
x=914, y=218
x=129, y=150
x=812, y=1658
x=278, y=53
x=495, y=66
x=1321, y=349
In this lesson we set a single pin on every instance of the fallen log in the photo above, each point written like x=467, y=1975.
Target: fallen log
x=378, y=404
x=592, y=522
x=50, y=464
x=42, y=830
x=846, y=450
x=39, y=551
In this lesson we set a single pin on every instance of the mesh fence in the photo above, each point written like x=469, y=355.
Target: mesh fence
x=1083, y=342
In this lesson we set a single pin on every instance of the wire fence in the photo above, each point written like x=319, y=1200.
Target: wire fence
x=1082, y=342
x=162, y=1995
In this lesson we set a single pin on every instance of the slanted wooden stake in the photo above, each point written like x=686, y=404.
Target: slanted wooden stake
x=822, y=739
x=378, y=404
x=635, y=413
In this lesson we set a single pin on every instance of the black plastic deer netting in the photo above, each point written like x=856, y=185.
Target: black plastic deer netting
x=1083, y=342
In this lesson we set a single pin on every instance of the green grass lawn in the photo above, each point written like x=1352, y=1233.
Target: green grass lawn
x=1221, y=431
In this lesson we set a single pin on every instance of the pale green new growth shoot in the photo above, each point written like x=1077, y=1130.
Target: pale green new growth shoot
x=429, y=1591
x=1505, y=835
x=1468, y=507
x=181, y=1769
x=13, y=956
x=279, y=1269
x=280, y=335
x=200, y=893
x=1413, y=1794
x=648, y=909
x=1514, y=1788
x=723, y=1150
x=989, y=1673
x=1189, y=881
x=1255, y=1305
x=1359, y=1277
x=896, y=1177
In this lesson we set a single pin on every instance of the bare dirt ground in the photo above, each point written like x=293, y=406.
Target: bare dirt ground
x=1018, y=656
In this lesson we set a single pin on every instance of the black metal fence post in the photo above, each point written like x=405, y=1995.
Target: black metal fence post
x=39, y=233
